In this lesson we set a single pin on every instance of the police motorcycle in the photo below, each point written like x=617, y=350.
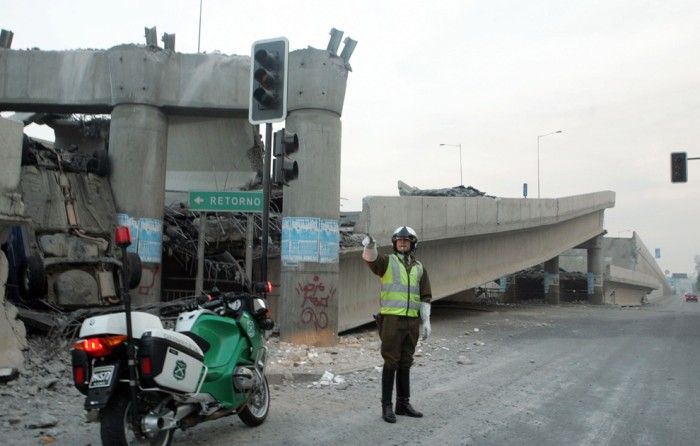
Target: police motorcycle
x=142, y=381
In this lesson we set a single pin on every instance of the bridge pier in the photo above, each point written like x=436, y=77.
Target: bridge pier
x=138, y=140
x=310, y=290
x=551, y=281
x=509, y=285
x=595, y=271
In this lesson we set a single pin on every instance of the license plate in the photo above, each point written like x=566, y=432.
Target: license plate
x=101, y=376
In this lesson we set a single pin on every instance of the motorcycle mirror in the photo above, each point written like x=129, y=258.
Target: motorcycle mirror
x=263, y=287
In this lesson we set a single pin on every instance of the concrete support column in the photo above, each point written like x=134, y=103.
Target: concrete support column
x=138, y=141
x=509, y=287
x=551, y=281
x=309, y=290
x=595, y=271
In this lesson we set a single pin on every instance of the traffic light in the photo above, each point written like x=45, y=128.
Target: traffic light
x=284, y=170
x=679, y=167
x=268, y=81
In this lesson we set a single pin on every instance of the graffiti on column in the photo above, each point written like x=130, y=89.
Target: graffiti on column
x=314, y=294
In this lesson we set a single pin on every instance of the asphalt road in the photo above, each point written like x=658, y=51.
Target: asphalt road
x=531, y=375
x=574, y=375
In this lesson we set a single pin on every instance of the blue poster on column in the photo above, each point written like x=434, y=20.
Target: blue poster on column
x=328, y=241
x=146, y=237
x=300, y=239
x=150, y=237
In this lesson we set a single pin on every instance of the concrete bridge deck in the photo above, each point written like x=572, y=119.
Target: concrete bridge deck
x=465, y=241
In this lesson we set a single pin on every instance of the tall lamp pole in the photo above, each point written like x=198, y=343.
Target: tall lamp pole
x=538, y=159
x=461, y=182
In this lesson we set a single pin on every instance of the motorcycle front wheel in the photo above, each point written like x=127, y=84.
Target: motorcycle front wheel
x=256, y=409
x=116, y=428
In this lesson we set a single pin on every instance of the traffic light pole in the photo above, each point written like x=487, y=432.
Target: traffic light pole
x=266, y=199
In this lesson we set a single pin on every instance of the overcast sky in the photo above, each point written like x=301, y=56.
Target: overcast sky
x=620, y=78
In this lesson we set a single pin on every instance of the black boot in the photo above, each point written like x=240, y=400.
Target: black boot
x=387, y=391
x=403, y=393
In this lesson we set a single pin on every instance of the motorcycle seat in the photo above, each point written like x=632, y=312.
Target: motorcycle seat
x=200, y=341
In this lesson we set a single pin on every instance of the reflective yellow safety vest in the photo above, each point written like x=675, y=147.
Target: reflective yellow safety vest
x=400, y=292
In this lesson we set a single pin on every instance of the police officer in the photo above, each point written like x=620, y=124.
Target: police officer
x=404, y=304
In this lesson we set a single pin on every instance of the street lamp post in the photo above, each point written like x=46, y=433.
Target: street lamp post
x=538, y=159
x=461, y=182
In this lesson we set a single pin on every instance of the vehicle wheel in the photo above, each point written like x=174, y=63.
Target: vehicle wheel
x=255, y=411
x=134, y=269
x=116, y=428
x=33, y=279
x=99, y=163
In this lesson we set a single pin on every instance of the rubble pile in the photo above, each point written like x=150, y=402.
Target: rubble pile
x=225, y=240
x=353, y=353
x=42, y=401
x=537, y=271
x=458, y=191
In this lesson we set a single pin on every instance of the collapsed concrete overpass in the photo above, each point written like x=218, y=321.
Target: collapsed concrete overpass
x=158, y=100
x=464, y=242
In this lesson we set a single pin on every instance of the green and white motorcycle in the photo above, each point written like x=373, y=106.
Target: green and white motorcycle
x=142, y=381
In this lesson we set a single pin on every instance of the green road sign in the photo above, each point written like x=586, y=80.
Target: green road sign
x=237, y=201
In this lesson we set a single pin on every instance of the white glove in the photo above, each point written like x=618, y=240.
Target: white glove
x=369, y=253
x=425, y=319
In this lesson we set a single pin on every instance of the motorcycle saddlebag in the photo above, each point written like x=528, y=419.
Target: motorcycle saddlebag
x=170, y=360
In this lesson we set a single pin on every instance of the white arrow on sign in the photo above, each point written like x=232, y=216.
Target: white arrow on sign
x=199, y=200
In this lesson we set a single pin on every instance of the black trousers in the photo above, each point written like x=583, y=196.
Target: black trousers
x=399, y=338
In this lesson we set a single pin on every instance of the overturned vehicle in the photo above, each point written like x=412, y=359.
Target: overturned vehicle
x=65, y=256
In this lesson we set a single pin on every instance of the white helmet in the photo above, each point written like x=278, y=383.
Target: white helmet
x=405, y=232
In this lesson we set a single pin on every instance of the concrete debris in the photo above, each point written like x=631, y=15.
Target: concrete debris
x=49, y=383
x=330, y=379
x=327, y=378
x=42, y=421
x=462, y=360
x=12, y=332
x=537, y=271
x=458, y=191
x=353, y=352
x=337, y=379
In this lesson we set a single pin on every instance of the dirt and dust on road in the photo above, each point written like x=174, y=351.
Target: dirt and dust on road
x=43, y=407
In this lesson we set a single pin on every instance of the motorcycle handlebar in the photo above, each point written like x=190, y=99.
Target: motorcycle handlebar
x=208, y=305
